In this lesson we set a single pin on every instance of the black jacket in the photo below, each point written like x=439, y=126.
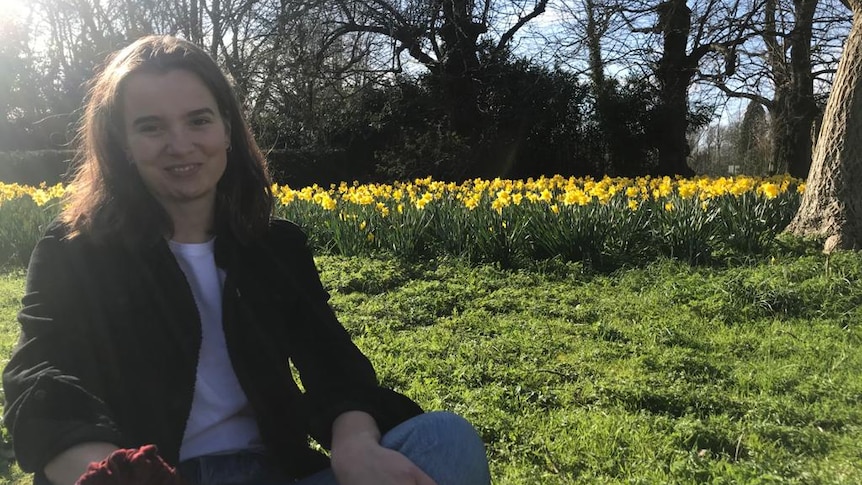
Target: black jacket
x=109, y=344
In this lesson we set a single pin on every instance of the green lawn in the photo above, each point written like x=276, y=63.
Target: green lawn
x=11, y=288
x=660, y=374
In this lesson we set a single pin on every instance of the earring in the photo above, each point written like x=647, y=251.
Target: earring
x=229, y=148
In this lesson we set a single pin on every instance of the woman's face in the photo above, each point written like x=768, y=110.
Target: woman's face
x=176, y=137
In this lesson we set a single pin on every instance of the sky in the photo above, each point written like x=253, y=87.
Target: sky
x=13, y=8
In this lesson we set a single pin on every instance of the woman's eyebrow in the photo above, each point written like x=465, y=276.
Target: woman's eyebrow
x=145, y=119
x=190, y=114
x=201, y=111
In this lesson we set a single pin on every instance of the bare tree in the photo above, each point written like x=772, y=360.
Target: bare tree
x=832, y=204
x=676, y=43
x=782, y=67
x=271, y=48
x=780, y=53
x=444, y=36
x=685, y=48
x=291, y=75
x=594, y=20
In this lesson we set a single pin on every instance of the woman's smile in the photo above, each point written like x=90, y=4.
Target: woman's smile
x=183, y=170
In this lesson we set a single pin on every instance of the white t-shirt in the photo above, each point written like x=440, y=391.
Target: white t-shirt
x=221, y=420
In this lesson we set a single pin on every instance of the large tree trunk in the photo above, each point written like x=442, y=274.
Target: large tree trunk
x=674, y=75
x=460, y=65
x=832, y=204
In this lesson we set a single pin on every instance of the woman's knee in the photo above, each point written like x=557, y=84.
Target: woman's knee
x=443, y=444
x=452, y=426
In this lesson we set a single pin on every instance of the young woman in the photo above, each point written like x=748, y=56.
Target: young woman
x=165, y=307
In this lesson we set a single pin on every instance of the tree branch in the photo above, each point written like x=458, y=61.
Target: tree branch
x=408, y=38
x=737, y=94
x=505, y=38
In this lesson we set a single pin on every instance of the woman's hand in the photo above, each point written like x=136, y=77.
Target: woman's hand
x=358, y=458
x=365, y=462
x=67, y=467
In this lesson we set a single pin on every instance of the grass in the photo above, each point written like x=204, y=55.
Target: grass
x=11, y=289
x=665, y=373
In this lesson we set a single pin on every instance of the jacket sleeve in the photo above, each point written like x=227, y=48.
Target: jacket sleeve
x=51, y=392
x=336, y=376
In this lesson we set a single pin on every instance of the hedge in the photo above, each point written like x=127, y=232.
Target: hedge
x=297, y=168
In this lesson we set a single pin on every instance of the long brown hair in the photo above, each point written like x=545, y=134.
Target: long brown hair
x=107, y=197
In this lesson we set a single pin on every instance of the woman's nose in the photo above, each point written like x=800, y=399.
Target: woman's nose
x=179, y=142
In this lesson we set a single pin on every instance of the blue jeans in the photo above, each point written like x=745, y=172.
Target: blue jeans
x=444, y=445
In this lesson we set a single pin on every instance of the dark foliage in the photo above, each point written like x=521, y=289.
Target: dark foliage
x=535, y=121
x=35, y=167
x=531, y=120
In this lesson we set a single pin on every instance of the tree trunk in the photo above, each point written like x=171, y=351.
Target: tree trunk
x=460, y=64
x=594, y=45
x=832, y=204
x=794, y=108
x=805, y=108
x=216, y=22
x=673, y=149
x=792, y=116
x=195, y=22
x=674, y=76
x=607, y=164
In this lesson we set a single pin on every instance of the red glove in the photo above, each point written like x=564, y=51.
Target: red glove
x=136, y=466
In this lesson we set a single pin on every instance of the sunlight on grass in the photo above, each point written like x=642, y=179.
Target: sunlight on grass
x=11, y=289
x=663, y=374
x=666, y=373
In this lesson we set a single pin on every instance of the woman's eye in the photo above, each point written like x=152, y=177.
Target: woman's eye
x=148, y=128
x=201, y=121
